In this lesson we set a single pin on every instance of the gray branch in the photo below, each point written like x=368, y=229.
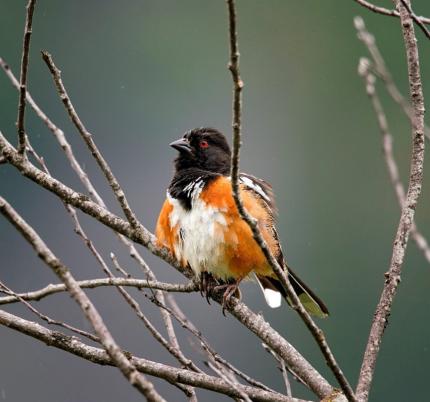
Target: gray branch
x=103, y=282
x=20, y=123
x=386, y=11
x=99, y=356
x=393, y=276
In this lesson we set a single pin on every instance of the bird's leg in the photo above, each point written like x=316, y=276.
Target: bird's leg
x=207, y=284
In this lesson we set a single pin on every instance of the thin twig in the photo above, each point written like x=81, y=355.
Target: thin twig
x=229, y=379
x=58, y=134
x=380, y=69
x=282, y=367
x=44, y=317
x=45, y=254
x=387, y=147
x=285, y=377
x=20, y=123
x=278, y=358
x=102, y=282
x=118, y=267
x=87, y=137
x=316, y=332
x=386, y=11
x=393, y=276
x=68, y=151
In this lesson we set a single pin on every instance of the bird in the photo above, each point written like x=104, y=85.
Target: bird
x=201, y=226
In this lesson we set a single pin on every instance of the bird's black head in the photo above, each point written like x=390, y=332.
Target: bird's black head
x=205, y=149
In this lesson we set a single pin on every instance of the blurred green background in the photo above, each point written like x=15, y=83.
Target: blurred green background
x=140, y=73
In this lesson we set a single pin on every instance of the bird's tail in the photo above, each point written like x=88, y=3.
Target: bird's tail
x=273, y=292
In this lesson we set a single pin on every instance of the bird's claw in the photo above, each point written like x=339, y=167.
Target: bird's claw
x=207, y=285
x=230, y=290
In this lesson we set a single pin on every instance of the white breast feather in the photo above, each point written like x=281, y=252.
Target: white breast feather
x=201, y=244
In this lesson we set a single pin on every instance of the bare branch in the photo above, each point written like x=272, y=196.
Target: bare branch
x=6, y=290
x=159, y=296
x=387, y=147
x=58, y=134
x=282, y=367
x=385, y=11
x=87, y=137
x=96, y=283
x=393, y=276
x=99, y=356
x=316, y=332
x=63, y=273
x=82, y=202
x=118, y=267
x=20, y=123
x=229, y=379
x=237, y=102
x=285, y=377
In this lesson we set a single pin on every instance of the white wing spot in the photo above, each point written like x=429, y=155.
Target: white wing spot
x=254, y=186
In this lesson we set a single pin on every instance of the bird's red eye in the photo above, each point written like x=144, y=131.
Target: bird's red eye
x=203, y=144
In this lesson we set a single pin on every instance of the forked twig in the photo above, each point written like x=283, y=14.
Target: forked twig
x=386, y=11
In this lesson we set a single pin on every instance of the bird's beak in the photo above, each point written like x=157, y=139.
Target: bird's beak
x=181, y=145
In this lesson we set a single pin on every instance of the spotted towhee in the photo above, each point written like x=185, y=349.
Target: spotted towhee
x=200, y=224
